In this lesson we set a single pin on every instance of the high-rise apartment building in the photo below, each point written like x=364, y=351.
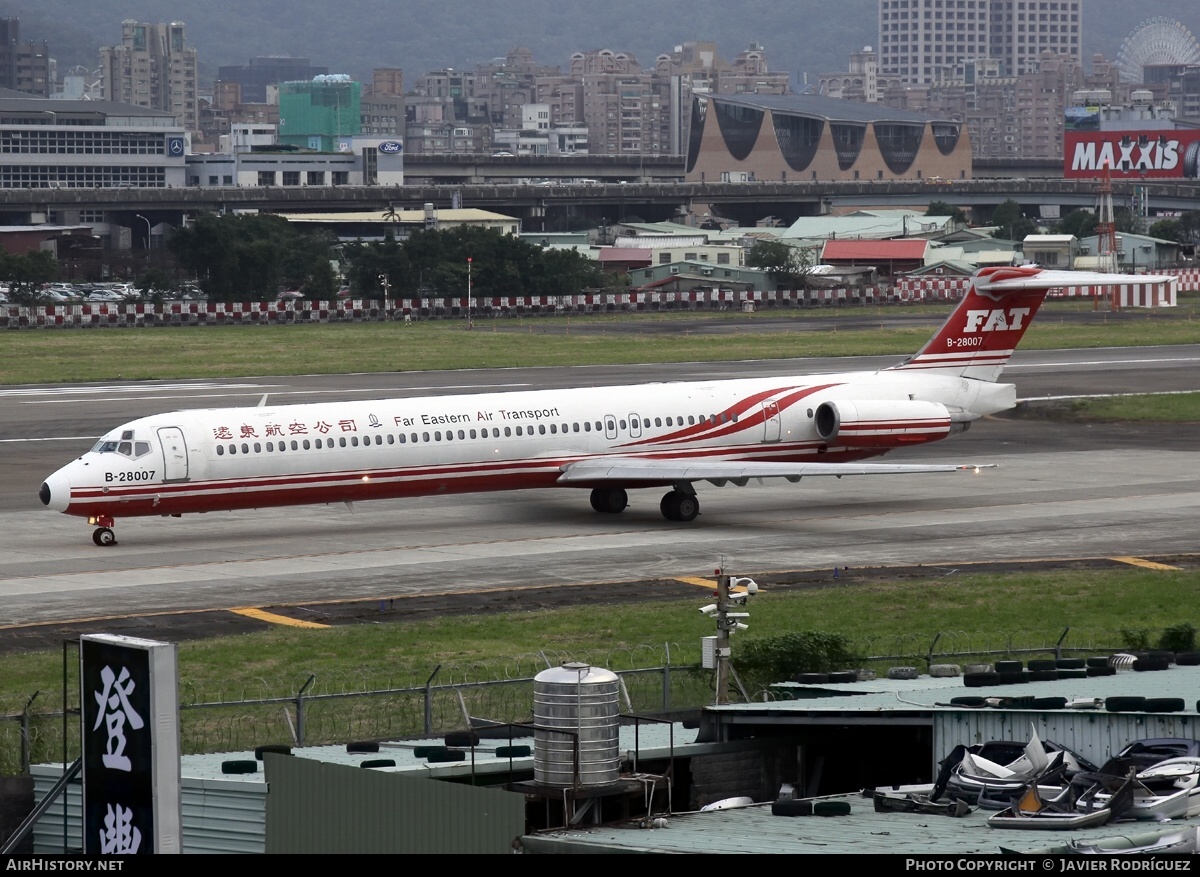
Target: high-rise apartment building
x=253, y=78
x=1021, y=30
x=921, y=40
x=152, y=67
x=23, y=66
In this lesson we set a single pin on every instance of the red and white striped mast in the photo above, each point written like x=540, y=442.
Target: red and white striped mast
x=1106, y=230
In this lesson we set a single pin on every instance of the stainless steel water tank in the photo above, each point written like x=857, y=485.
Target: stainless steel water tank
x=583, y=700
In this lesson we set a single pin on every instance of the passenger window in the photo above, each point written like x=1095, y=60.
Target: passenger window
x=553, y=429
x=295, y=445
x=670, y=422
x=342, y=441
x=519, y=432
x=658, y=421
x=307, y=446
x=403, y=438
x=541, y=429
x=220, y=450
x=233, y=449
x=691, y=420
x=462, y=435
x=645, y=422
x=391, y=439
x=424, y=436
x=258, y=448
x=245, y=448
x=587, y=426
x=622, y=423
x=507, y=432
x=575, y=427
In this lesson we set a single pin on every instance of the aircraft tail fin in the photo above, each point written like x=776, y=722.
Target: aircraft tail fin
x=980, y=335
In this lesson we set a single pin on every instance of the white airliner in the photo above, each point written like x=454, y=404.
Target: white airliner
x=605, y=439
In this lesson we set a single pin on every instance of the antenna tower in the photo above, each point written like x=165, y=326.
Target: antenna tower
x=1106, y=227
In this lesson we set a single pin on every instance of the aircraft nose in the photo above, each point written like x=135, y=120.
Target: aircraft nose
x=56, y=491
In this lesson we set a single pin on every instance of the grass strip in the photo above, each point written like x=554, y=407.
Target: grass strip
x=65, y=355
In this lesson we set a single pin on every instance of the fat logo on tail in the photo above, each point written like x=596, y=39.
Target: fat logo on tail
x=979, y=337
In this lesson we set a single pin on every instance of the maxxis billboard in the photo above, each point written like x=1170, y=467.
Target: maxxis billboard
x=1132, y=154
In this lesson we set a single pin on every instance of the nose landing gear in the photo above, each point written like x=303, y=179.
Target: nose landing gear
x=103, y=534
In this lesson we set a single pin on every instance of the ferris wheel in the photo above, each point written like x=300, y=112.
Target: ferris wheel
x=1158, y=40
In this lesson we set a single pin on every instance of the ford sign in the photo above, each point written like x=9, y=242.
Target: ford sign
x=391, y=147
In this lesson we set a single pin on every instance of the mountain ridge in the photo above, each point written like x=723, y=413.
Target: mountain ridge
x=353, y=36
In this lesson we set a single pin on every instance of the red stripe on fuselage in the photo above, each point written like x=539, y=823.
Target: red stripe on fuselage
x=352, y=486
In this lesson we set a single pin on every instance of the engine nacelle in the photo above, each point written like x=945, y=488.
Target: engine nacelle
x=881, y=423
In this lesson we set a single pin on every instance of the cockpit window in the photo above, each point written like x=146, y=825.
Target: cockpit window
x=125, y=447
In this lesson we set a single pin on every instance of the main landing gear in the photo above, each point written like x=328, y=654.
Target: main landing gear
x=103, y=534
x=610, y=500
x=680, y=504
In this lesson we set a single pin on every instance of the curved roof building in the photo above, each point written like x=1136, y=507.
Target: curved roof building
x=805, y=137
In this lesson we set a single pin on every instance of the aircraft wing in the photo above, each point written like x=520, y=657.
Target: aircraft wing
x=657, y=470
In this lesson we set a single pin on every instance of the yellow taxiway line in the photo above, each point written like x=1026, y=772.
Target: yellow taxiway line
x=272, y=618
x=1145, y=564
x=698, y=582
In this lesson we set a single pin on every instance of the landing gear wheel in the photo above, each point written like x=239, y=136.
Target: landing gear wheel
x=104, y=537
x=611, y=501
x=679, y=506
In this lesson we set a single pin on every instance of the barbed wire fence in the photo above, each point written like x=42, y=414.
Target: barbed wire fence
x=316, y=707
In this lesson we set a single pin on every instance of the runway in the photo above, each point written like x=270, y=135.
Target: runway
x=1060, y=491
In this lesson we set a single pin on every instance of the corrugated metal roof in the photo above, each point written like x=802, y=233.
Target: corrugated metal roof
x=902, y=249
x=227, y=812
x=755, y=830
x=1094, y=734
x=625, y=254
x=465, y=214
x=935, y=692
x=873, y=225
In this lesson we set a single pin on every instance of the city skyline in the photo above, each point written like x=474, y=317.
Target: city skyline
x=360, y=38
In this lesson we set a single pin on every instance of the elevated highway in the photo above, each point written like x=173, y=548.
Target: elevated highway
x=558, y=206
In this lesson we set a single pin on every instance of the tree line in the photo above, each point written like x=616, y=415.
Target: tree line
x=252, y=257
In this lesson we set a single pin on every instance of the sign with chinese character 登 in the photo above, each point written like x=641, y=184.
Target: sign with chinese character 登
x=130, y=733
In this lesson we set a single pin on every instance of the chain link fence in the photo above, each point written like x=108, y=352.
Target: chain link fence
x=316, y=707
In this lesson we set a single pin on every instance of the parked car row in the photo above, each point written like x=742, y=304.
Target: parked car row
x=71, y=293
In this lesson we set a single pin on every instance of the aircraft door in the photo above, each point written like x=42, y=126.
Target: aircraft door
x=635, y=426
x=174, y=449
x=771, y=424
x=610, y=426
